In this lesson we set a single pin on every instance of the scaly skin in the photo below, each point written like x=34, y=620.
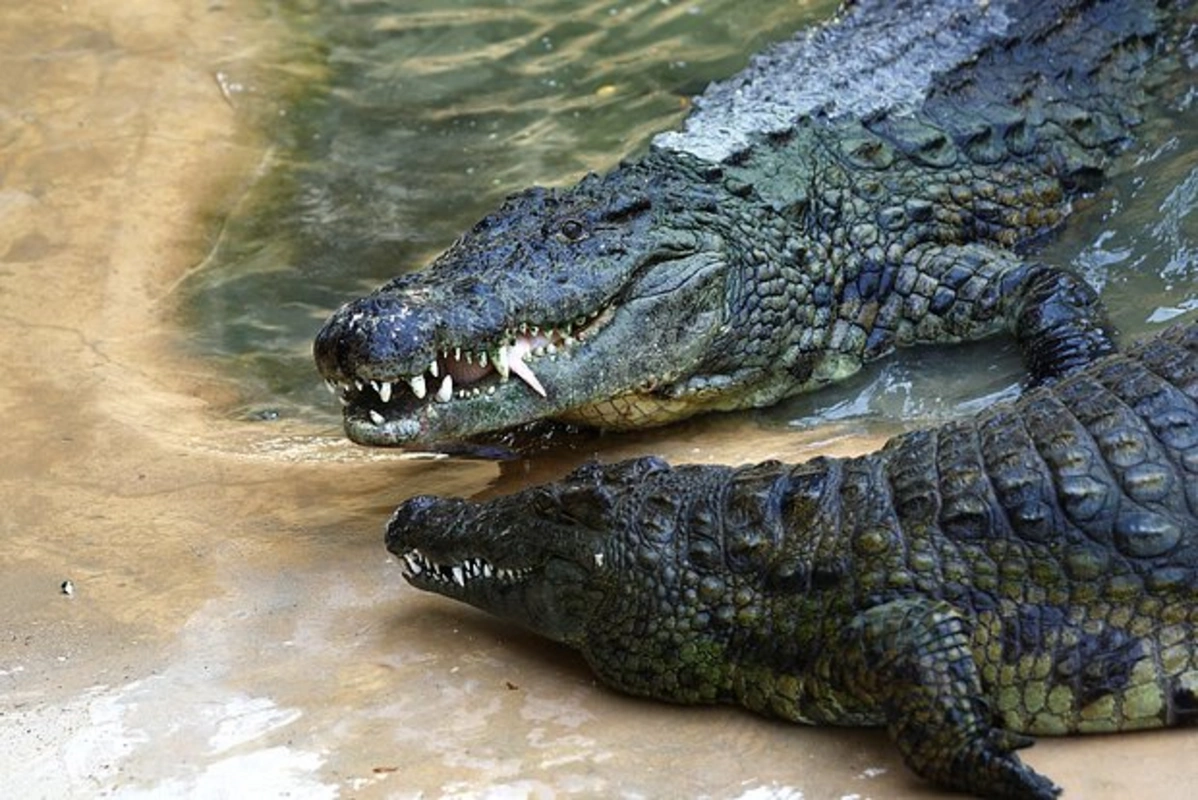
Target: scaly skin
x=876, y=185
x=1033, y=570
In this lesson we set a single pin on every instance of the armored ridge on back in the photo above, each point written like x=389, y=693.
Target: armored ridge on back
x=1033, y=570
x=875, y=184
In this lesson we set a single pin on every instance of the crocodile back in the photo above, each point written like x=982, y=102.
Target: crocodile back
x=1066, y=526
x=976, y=69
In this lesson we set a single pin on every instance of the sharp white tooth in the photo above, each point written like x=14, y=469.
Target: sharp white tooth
x=517, y=365
x=501, y=361
x=482, y=359
x=446, y=391
x=418, y=387
x=469, y=357
x=384, y=390
x=361, y=386
x=433, y=369
x=332, y=387
x=458, y=578
x=457, y=354
x=376, y=417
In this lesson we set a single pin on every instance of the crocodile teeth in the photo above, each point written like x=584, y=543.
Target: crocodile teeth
x=516, y=363
x=384, y=390
x=500, y=361
x=463, y=573
x=418, y=387
x=376, y=417
x=445, y=393
x=433, y=369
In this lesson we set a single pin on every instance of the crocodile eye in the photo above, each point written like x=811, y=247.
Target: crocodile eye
x=572, y=231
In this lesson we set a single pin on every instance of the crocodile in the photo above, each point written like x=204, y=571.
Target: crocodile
x=880, y=182
x=1031, y=570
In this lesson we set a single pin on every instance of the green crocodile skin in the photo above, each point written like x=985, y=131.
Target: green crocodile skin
x=1031, y=570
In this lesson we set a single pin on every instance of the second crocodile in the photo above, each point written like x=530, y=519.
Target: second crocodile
x=875, y=184
x=1033, y=570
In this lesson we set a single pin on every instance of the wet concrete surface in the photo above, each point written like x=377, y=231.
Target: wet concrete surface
x=233, y=626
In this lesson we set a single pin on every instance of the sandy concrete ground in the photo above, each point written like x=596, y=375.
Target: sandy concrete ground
x=236, y=628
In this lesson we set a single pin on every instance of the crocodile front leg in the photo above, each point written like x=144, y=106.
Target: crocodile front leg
x=967, y=292
x=1060, y=324
x=912, y=657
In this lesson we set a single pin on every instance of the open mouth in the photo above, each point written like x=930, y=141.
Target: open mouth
x=419, y=569
x=465, y=372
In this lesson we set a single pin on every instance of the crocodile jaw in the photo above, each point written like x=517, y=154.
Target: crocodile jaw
x=464, y=383
x=493, y=556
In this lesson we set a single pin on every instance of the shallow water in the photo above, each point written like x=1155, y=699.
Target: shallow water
x=234, y=627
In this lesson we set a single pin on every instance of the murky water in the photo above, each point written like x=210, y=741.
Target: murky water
x=209, y=178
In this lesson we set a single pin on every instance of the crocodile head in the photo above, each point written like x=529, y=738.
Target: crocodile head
x=546, y=558
x=585, y=305
x=633, y=564
x=562, y=559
